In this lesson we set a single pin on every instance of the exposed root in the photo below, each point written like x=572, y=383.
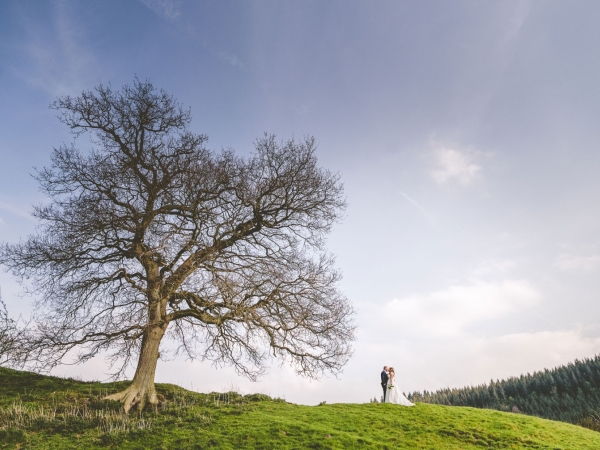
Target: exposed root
x=135, y=396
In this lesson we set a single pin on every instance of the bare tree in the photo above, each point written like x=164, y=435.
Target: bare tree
x=150, y=234
x=12, y=351
x=8, y=334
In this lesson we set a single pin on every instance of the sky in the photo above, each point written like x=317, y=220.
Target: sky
x=465, y=132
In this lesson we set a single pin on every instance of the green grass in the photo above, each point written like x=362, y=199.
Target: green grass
x=39, y=412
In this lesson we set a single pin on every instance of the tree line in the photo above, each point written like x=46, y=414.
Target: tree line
x=569, y=393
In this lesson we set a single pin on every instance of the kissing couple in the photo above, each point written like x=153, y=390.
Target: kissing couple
x=391, y=393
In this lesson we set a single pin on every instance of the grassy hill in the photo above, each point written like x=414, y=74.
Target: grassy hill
x=39, y=412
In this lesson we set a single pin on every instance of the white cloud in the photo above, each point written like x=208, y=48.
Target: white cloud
x=231, y=59
x=448, y=312
x=577, y=263
x=471, y=361
x=454, y=165
x=169, y=9
x=493, y=267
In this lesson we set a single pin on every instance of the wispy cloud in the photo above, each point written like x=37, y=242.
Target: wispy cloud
x=454, y=165
x=169, y=9
x=60, y=63
x=577, y=263
x=230, y=58
x=516, y=22
x=174, y=12
x=15, y=211
x=416, y=205
x=494, y=267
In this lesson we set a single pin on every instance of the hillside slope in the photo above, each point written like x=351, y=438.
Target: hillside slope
x=38, y=412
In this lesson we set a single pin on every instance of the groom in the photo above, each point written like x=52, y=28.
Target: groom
x=384, y=380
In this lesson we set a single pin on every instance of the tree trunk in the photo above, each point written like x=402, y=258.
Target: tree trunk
x=142, y=390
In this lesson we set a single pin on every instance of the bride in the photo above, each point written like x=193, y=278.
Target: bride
x=394, y=395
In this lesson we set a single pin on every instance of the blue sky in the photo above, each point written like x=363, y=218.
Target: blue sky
x=465, y=133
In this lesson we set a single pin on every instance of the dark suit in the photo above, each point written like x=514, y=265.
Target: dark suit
x=384, y=380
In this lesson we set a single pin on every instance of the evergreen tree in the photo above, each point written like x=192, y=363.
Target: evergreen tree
x=568, y=393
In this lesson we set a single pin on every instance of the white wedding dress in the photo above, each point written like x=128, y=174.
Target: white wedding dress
x=395, y=396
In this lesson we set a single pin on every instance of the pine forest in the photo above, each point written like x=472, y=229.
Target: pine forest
x=568, y=393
